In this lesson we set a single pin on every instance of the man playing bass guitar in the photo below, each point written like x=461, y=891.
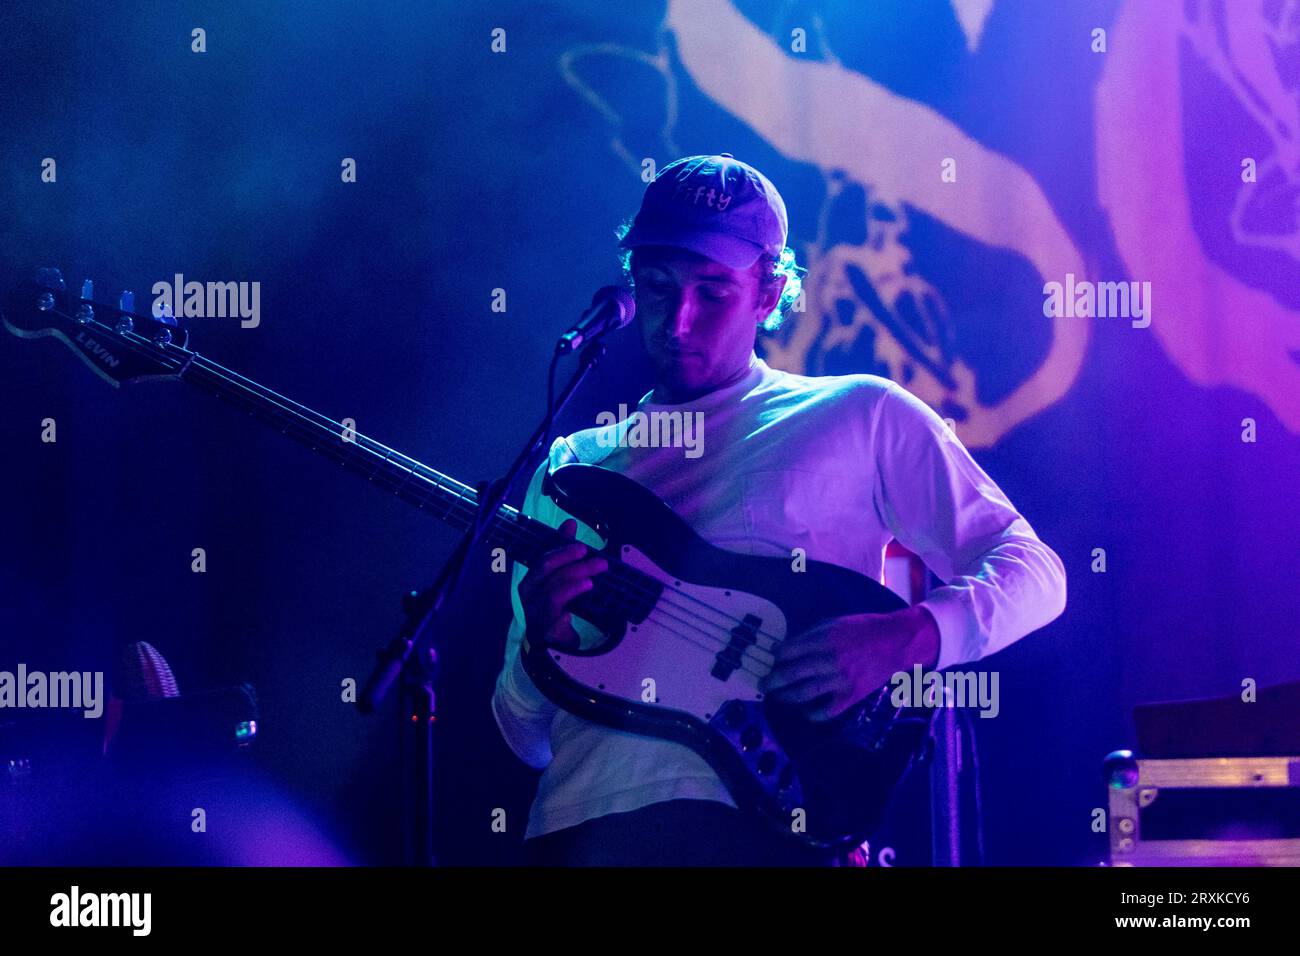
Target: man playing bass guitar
x=836, y=466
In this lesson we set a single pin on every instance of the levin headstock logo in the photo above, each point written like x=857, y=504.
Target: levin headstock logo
x=99, y=352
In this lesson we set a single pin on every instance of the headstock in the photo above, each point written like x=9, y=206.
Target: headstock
x=118, y=343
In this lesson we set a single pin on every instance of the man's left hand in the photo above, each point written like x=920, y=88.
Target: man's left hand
x=839, y=662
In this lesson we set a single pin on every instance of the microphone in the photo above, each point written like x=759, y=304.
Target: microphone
x=611, y=309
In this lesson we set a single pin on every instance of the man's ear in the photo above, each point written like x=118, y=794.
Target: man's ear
x=769, y=296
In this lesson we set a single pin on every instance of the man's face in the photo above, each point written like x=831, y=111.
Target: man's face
x=698, y=317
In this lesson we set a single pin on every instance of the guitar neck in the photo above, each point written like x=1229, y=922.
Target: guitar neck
x=447, y=499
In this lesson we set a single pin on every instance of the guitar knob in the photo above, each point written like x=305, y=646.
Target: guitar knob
x=751, y=738
x=767, y=762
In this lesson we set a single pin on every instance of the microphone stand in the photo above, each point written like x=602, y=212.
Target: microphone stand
x=411, y=658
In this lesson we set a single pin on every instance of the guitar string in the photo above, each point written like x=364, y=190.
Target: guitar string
x=468, y=508
x=465, y=499
x=221, y=376
x=507, y=528
x=216, y=378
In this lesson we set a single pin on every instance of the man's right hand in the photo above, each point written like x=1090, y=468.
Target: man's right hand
x=547, y=589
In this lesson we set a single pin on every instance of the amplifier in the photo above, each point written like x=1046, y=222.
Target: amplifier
x=1203, y=811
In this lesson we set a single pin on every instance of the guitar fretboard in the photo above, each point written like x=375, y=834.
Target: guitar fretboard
x=426, y=488
x=622, y=594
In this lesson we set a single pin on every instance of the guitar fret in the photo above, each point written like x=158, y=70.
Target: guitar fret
x=406, y=476
x=453, y=499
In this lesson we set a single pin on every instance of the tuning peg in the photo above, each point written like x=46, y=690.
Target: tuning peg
x=85, y=311
x=49, y=278
x=125, y=302
x=163, y=314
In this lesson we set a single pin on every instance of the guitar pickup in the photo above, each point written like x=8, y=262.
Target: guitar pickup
x=728, y=660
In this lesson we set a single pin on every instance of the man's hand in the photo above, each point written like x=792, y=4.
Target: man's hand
x=546, y=590
x=846, y=658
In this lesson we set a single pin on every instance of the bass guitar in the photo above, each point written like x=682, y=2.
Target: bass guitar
x=702, y=621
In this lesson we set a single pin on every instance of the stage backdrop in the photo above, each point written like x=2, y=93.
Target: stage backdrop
x=1072, y=228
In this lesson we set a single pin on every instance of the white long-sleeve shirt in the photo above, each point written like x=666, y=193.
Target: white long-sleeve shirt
x=835, y=465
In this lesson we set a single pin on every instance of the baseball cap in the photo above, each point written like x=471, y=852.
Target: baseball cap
x=716, y=206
